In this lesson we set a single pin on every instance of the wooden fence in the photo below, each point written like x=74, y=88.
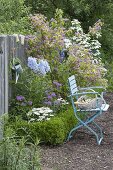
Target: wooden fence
x=11, y=46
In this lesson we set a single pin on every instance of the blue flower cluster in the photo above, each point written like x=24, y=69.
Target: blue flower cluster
x=40, y=68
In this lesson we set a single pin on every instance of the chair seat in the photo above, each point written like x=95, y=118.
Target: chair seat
x=104, y=108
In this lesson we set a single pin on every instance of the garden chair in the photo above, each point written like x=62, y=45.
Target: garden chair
x=86, y=114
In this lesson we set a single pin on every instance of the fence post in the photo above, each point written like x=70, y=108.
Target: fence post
x=3, y=79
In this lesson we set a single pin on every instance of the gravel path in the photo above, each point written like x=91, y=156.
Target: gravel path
x=82, y=152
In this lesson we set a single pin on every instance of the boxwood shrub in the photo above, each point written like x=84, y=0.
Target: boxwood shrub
x=53, y=131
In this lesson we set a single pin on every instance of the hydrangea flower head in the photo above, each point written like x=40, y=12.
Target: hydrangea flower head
x=41, y=68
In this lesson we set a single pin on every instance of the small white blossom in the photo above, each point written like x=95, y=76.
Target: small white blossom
x=48, y=119
x=67, y=42
x=51, y=115
x=40, y=114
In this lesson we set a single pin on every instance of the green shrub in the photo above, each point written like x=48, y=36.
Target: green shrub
x=53, y=131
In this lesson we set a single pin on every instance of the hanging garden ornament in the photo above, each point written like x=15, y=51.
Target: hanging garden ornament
x=16, y=68
x=63, y=55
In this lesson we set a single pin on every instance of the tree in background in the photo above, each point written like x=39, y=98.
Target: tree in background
x=14, y=17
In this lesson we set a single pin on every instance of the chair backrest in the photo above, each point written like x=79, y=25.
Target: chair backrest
x=72, y=84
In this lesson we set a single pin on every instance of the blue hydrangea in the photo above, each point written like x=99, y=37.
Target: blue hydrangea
x=40, y=68
x=32, y=64
x=43, y=67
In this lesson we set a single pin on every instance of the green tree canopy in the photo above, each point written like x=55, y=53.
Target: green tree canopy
x=14, y=17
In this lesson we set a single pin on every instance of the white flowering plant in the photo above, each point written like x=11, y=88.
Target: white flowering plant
x=89, y=40
x=40, y=114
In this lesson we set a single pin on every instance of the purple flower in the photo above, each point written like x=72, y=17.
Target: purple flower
x=20, y=98
x=49, y=97
x=48, y=103
x=57, y=84
x=53, y=94
x=30, y=103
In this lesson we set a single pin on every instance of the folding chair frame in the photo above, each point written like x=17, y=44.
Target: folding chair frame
x=94, y=112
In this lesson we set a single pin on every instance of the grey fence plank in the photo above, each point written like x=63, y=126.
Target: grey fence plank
x=10, y=49
x=6, y=74
x=3, y=80
x=2, y=74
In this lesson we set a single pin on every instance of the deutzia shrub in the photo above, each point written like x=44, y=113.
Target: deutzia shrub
x=40, y=114
x=89, y=40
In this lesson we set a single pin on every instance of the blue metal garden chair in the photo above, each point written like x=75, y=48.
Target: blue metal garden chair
x=86, y=115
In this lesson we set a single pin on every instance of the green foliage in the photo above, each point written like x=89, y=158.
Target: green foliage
x=12, y=10
x=31, y=86
x=53, y=131
x=19, y=108
x=17, y=153
x=14, y=17
x=71, y=7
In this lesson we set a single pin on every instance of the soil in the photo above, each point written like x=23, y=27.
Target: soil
x=82, y=152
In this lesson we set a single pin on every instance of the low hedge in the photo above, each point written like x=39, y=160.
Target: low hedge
x=53, y=131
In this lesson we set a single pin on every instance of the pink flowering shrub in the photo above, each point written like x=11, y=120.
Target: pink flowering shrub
x=54, y=40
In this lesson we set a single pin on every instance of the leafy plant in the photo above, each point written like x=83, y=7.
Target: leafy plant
x=53, y=131
x=32, y=87
x=17, y=153
x=14, y=17
x=19, y=107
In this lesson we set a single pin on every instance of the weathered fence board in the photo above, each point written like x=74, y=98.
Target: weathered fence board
x=9, y=49
x=3, y=79
x=3, y=75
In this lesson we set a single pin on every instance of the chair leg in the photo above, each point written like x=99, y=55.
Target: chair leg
x=74, y=129
x=99, y=135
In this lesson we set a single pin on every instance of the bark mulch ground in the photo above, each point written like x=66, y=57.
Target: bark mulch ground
x=82, y=152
